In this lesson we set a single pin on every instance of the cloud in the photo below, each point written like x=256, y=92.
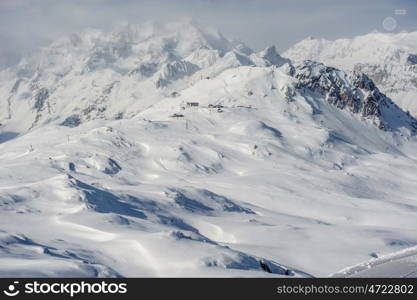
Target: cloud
x=27, y=24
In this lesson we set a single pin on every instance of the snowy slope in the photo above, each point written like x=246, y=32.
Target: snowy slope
x=400, y=264
x=281, y=170
x=92, y=74
x=390, y=60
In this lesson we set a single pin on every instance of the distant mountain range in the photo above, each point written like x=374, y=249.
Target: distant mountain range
x=390, y=60
x=170, y=150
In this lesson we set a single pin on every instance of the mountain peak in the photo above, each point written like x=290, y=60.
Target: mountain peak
x=271, y=55
x=170, y=136
x=121, y=73
x=387, y=58
x=355, y=92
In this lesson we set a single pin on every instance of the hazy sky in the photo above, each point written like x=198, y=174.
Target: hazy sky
x=27, y=24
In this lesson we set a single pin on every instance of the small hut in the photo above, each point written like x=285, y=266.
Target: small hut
x=193, y=104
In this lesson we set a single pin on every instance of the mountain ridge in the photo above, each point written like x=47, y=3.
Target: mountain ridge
x=388, y=59
x=104, y=68
x=183, y=158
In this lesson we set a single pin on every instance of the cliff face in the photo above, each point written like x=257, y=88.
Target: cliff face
x=172, y=151
x=353, y=91
x=388, y=59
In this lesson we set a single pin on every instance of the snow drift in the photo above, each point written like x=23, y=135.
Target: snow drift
x=169, y=150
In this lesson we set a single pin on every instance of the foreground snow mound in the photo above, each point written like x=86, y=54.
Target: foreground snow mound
x=390, y=60
x=166, y=153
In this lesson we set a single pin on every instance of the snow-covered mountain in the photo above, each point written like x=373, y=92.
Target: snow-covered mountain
x=390, y=60
x=93, y=75
x=169, y=150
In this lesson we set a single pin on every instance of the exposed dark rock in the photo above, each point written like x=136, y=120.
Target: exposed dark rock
x=353, y=91
x=71, y=166
x=113, y=167
x=118, y=116
x=175, y=70
x=412, y=59
x=40, y=99
x=72, y=121
x=265, y=266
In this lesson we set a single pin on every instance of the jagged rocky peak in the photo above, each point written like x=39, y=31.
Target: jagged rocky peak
x=355, y=92
x=412, y=59
x=390, y=60
x=177, y=69
x=268, y=57
x=271, y=55
x=95, y=75
x=204, y=57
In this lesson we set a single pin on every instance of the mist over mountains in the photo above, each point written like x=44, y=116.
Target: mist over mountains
x=172, y=150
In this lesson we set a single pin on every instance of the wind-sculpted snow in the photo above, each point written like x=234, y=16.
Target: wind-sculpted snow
x=237, y=164
x=205, y=202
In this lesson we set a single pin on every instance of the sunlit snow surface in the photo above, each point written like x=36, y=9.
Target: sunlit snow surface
x=390, y=59
x=297, y=184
